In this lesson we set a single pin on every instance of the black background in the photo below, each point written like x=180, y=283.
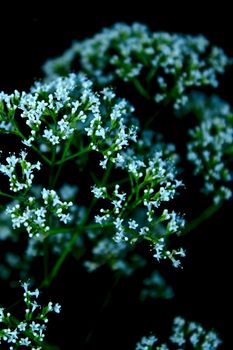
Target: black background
x=29, y=35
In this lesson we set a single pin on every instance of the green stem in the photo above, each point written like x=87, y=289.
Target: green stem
x=229, y=150
x=60, y=230
x=52, y=163
x=118, y=182
x=7, y=195
x=45, y=257
x=151, y=119
x=82, y=227
x=19, y=133
x=140, y=88
x=41, y=155
x=47, y=281
x=62, y=160
x=151, y=74
x=60, y=260
x=94, y=226
x=104, y=305
x=156, y=114
x=46, y=243
x=107, y=174
x=206, y=214
x=83, y=151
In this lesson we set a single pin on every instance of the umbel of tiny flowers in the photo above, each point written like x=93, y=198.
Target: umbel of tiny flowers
x=67, y=109
x=186, y=335
x=160, y=65
x=210, y=145
x=27, y=168
x=34, y=217
x=30, y=330
x=165, y=68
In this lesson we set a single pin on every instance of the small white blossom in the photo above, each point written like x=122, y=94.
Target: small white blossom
x=51, y=137
x=57, y=308
x=99, y=192
x=132, y=224
x=24, y=341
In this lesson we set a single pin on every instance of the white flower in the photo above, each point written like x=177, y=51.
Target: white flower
x=57, y=308
x=50, y=137
x=22, y=326
x=24, y=341
x=132, y=224
x=99, y=192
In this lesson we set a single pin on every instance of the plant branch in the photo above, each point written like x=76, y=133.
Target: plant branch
x=205, y=215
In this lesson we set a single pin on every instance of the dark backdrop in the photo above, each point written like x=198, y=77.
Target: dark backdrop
x=29, y=34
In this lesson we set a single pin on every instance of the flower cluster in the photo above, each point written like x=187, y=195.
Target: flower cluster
x=168, y=64
x=156, y=287
x=29, y=332
x=136, y=213
x=8, y=106
x=120, y=257
x=210, y=147
x=185, y=334
x=23, y=180
x=146, y=343
x=54, y=111
x=34, y=218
